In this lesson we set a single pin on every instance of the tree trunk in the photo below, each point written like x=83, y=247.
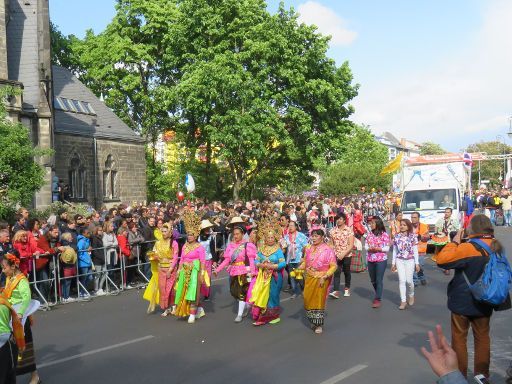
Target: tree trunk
x=236, y=188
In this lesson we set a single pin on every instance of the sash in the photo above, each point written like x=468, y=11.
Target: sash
x=11, y=285
x=237, y=251
x=17, y=327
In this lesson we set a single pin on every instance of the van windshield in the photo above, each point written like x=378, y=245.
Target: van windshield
x=436, y=199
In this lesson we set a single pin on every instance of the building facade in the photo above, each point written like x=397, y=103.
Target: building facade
x=395, y=146
x=95, y=154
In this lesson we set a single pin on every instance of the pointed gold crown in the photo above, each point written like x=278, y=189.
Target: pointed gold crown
x=192, y=223
x=268, y=224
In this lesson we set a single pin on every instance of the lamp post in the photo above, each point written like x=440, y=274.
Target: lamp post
x=498, y=138
x=509, y=133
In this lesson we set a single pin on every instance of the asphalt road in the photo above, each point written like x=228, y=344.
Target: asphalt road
x=112, y=339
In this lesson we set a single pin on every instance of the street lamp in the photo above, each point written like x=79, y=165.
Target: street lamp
x=509, y=133
x=503, y=153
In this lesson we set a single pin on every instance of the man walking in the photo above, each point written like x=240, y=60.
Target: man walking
x=420, y=230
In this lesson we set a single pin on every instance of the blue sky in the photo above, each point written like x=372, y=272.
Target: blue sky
x=433, y=70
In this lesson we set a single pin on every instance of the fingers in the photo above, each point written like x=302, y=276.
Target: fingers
x=426, y=353
x=433, y=342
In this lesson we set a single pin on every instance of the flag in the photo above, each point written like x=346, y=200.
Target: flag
x=393, y=165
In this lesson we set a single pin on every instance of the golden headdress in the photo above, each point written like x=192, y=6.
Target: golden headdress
x=269, y=224
x=192, y=223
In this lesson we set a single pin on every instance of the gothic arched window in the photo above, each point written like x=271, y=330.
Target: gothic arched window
x=110, y=178
x=77, y=178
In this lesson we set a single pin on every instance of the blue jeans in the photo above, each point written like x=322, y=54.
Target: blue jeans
x=296, y=287
x=86, y=272
x=420, y=276
x=376, y=271
x=493, y=216
x=508, y=217
x=66, y=286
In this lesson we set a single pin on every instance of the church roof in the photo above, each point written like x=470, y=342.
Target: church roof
x=22, y=48
x=78, y=111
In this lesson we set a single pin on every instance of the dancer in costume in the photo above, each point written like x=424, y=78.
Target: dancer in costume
x=9, y=346
x=163, y=275
x=239, y=258
x=270, y=262
x=320, y=265
x=190, y=271
x=294, y=243
x=17, y=292
x=207, y=241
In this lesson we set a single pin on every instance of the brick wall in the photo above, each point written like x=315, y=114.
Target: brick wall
x=129, y=163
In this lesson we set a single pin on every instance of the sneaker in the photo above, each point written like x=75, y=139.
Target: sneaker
x=410, y=301
x=206, y=299
x=100, y=292
x=200, y=312
x=347, y=292
x=402, y=306
x=334, y=295
x=376, y=303
x=246, y=310
x=238, y=319
x=191, y=319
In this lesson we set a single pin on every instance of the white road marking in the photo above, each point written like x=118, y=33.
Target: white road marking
x=50, y=363
x=344, y=374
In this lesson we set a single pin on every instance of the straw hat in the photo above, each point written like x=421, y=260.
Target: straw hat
x=206, y=224
x=68, y=256
x=236, y=220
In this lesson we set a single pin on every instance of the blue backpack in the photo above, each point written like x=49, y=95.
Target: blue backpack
x=493, y=285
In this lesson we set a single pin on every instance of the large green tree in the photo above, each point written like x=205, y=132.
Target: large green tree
x=430, y=148
x=20, y=175
x=255, y=89
x=491, y=170
x=360, y=165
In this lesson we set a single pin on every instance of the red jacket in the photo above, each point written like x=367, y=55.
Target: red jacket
x=124, y=247
x=26, y=250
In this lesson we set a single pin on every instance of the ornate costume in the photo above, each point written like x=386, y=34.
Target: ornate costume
x=161, y=287
x=190, y=270
x=319, y=261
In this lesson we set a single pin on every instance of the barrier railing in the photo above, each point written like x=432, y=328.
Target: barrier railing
x=58, y=282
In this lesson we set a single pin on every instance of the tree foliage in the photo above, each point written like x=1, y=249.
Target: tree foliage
x=20, y=175
x=360, y=165
x=430, y=148
x=491, y=170
x=225, y=75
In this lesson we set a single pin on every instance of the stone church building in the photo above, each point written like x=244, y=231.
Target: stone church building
x=94, y=151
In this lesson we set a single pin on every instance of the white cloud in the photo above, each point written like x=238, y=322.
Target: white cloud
x=465, y=96
x=327, y=21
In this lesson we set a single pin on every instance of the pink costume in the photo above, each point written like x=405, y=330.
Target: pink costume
x=234, y=256
x=188, y=285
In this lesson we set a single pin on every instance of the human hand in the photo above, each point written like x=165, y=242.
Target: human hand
x=418, y=268
x=393, y=268
x=458, y=237
x=442, y=358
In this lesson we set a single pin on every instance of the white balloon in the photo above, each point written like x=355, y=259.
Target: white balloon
x=189, y=183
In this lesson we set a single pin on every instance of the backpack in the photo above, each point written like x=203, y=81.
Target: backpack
x=494, y=283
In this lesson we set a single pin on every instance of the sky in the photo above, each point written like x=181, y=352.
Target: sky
x=428, y=70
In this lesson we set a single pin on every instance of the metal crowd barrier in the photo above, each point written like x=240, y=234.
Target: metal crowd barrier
x=47, y=283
